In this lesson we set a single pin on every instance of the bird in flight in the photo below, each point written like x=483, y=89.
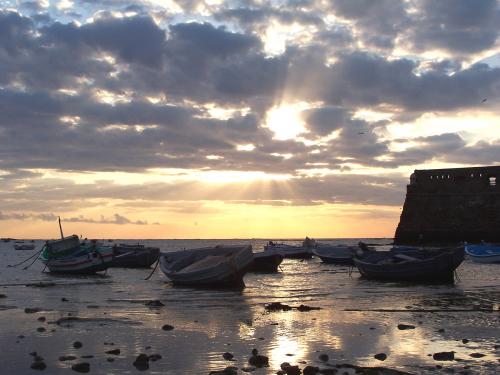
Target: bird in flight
x=485, y=99
x=361, y=132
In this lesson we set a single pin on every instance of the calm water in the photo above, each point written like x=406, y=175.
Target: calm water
x=358, y=318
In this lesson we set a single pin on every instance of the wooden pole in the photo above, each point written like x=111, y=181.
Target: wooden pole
x=60, y=227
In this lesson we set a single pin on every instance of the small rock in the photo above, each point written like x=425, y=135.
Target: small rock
x=380, y=356
x=3, y=296
x=323, y=357
x=77, y=345
x=41, y=329
x=477, y=355
x=441, y=330
x=277, y=306
x=114, y=352
x=141, y=363
x=87, y=356
x=284, y=365
x=227, y=356
x=81, y=367
x=20, y=337
x=31, y=310
x=167, y=327
x=41, y=319
x=110, y=359
x=405, y=326
x=248, y=369
x=292, y=370
x=310, y=370
x=154, y=303
x=64, y=299
x=444, y=356
x=147, y=347
x=303, y=308
x=154, y=357
x=67, y=358
x=465, y=341
x=258, y=360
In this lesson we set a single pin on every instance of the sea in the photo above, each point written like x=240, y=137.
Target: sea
x=42, y=316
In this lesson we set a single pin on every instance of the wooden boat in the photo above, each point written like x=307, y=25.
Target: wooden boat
x=410, y=265
x=267, y=261
x=483, y=253
x=134, y=256
x=68, y=255
x=334, y=254
x=288, y=251
x=219, y=266
x=24, y=247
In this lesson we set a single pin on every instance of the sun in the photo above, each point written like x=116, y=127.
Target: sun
x=285, y=121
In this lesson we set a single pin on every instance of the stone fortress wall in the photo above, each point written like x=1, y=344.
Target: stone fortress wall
x=451, y=205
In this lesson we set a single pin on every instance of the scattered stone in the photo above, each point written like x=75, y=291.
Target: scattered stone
x=64, y=299
x=477, y=355
x=258, y=360
x=291, y=370
x=289, y=354
x=405, y=326
x=277, y=306
x=42, y=319
x=3, y=296
x=109, y=343
x=20, y=337
x=323, y=357
x=230, y=370
x=444, y=356
x=380, y=356
x=167, y=327
x=147, y=347
x=81, y=367
x=154, y=303
x=41, y=329
x=40, y=285
x=305, y=308
x=227, y=356
x=38, y=365
x=141, y=363
x=310, y=370
x=114, y=352
x=34, y=354
x=92, y=306
x=32, y=310
x=465, y=341
x=67, y=358
x=273, y=324
x=87, y=356
x=261, y=338
x=77, y=345
x=441, y=330
x=284, y=365
x=248, y=369
x=110, y=359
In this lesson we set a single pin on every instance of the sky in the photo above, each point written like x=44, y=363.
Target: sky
x=237, y=119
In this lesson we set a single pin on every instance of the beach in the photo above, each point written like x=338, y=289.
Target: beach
x=114, y=319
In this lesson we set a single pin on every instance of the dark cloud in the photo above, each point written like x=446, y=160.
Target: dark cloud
x=116, y=219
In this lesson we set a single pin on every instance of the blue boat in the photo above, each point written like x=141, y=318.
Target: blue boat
x=483, y=253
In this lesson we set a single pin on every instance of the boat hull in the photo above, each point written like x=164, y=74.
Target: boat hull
x=83, y=262
x=439, y=268
x=289, y=251
x=341, y=255
x=483, y=253
x=226, y=272
x=130, y=257
x=265, y=262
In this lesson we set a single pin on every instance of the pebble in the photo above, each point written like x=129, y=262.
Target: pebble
x=465, y=341
x=77, y=345
x=405, y=326
x=154, y=357
x=380, y=356
x=114, y=352
x=310, y=370
x=31, y=310
x=154, y=303
x=248, y=369
x=87, y=356
x=167, y=327
x=38, y=365
x=323, y=357
x=3, y=296
x=444, y=356
x=227, y=356
x=41, y=329
x=41, y=319
x=110, y=359
x=64, y=299
x=81, y=367
x=477, y=355
x=258, y=360
x=141, y=363
x=67, y=358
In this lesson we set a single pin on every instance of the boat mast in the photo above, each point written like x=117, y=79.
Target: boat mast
x=60, y=227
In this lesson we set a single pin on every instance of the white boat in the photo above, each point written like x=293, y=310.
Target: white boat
x=334, y=254
x=209, y=266
x=289, y=251
x=483, y=253
x=68, y=255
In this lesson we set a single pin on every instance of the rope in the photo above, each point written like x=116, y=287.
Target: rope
x=18, y=264
x=154, y=269
x=34, y=260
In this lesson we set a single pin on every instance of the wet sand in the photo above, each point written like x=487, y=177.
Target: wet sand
x=357, y=319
